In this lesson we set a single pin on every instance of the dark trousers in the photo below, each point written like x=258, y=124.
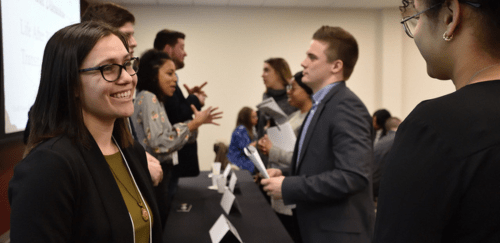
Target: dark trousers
x=291, y=226
x=162, y=193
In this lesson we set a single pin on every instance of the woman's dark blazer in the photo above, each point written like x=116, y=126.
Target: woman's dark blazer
x=62, y=192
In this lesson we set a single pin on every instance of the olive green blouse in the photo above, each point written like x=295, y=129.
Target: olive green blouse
x=131, y=196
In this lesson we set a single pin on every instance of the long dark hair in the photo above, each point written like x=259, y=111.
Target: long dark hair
x=245, y=119
x=151, y=61
x=58, y=109
x=382, y=115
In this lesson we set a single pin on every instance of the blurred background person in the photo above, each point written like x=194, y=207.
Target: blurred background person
x=379, y=119
x=84, y=179
x=243, y=135
x=177, y=106
x=381, y=150
x=440, y=182
x=299, y=96
x=276, y=74
x=154, y=130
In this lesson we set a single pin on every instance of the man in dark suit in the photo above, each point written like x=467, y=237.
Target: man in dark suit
x=178, y=107
x=330, y=179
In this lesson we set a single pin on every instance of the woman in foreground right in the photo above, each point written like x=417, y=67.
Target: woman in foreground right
x=441, y=180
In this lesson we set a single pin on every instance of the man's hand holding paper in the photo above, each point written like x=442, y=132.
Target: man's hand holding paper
x=273, y=185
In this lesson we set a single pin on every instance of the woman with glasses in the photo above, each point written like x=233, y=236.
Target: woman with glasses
x=154, y=131
x=84, y=179
x=441, y=181
x=299, y=96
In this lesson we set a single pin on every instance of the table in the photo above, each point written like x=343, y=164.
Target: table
x=257, y=221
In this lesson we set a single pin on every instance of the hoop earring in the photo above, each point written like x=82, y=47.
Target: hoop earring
x=447, y=38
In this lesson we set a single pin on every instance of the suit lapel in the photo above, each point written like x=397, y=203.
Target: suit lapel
x=314, y=121
x=104, y=182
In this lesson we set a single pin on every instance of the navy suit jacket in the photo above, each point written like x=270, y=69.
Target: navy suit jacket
x=332, y=184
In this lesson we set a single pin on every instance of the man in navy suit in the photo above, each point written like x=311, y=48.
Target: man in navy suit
x=330, y=179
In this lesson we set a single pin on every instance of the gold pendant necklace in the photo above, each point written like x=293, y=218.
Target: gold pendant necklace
x=144, y=212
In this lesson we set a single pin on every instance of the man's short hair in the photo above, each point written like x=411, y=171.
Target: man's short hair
x=341, y=46
x=167, y=37
x=109, y=13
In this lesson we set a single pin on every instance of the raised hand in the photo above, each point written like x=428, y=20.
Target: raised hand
x=196, y=89
x=206, y=116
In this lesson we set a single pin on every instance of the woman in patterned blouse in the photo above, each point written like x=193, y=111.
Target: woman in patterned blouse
x=157, y=79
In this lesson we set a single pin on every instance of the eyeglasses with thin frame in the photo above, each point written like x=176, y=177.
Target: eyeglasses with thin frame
x=112, y=72
x=410, y=23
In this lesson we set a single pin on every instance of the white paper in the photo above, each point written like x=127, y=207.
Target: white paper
x=227, y=201
x=232, y=182
x=227, y=170
x=221, y=183
x=282, y=136
x=271, y=108
x=220, y=228
x=175, y=158
x=216, y=168
x=254, y=156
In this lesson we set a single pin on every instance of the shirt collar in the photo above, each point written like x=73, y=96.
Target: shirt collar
x=318, y=96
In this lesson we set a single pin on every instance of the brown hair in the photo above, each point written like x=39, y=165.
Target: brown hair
x=281, y=67
x=341, y=46
x=109, y=13
x=245, y=119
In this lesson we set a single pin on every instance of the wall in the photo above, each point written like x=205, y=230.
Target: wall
x=226, y=46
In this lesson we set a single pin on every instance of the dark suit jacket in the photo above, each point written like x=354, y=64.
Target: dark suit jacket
x=332, y=186
x=178, y=109
x=66, y=193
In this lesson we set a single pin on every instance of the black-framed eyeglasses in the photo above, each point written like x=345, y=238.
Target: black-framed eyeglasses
x=410, y=23
x=112, y=72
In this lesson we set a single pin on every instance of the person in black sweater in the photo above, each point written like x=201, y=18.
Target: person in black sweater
x=440, y=182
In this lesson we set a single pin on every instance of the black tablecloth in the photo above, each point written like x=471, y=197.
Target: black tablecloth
x=257, y=222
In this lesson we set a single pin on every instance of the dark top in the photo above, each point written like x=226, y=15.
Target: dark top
x=441, y=182
x=62, y=192
x=178, y=109
x=380, y=152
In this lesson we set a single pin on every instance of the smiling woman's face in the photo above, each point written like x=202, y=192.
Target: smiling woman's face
x=166, y=78
x=101, y=99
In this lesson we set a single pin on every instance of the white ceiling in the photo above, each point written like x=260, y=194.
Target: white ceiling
x=372, y=4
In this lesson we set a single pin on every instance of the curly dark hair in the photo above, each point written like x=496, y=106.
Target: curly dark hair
x=151, y=62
